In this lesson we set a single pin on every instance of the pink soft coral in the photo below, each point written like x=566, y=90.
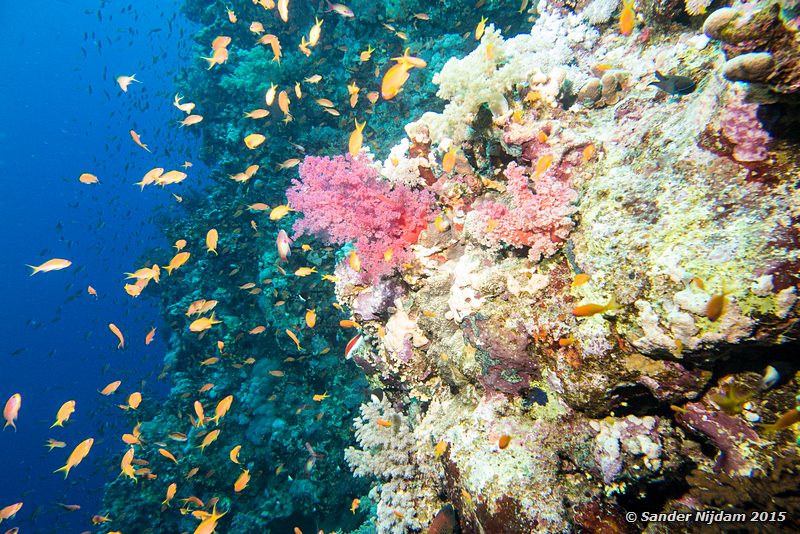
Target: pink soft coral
x=343, y=200
x=740, y=125
x=538, y=220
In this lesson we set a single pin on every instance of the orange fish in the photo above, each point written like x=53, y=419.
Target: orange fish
x=449, y=159
x=587, y=310
x=283, y=10
x=580, y=279
x=480, y=28
x=171, y=490
x=393, y=80
x=110, y=388
x=311, y=318
x=218, y=57
x=383, y=422
x=11, y=410
x=134, y=400
x=293, y=337
x=252, y=141
x=56, y=264
x=627, y=18
x=87, y=178
x=126, y=465
x=209, y=439
x=186, y=108
x=234, y=454
x=92, y=291
x=241, y=482
x=355, y=261
x=150, y=336
x=170, y=177
x=67, y=409
x=209, y=524
x=190, y=120
x=177, y=260
x=356, y=139
x=283, y=102
x=150, y=177
x=138, y=140
x=588, y=152
x=314, y=33
x=543, y=163
x=256, y=114
x=9, y=511
x=211, y=241
x=222, y=408
x=117, y=332
x=166, y=454
x=78, y=454
x=279, y=212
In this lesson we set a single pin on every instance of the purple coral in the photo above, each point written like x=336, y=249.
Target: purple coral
x=740, y=125
x=343, y=200
x=538, y=217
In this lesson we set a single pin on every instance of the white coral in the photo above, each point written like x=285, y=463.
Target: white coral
x=390, y=453
x=399, y=168
x=496, y=66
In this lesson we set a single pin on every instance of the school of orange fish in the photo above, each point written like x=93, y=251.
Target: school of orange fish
x=391, y=85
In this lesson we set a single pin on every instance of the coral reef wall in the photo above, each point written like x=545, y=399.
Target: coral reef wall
x=565, y=286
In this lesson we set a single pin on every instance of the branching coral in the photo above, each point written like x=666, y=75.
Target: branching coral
x=388, y=451
x=343, y=201
x=537, y=220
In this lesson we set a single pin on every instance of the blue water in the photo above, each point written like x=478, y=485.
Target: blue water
x=62, y=114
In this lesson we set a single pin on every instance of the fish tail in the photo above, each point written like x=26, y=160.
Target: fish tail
x=35, y=268
x=57, y=423
x=11, y=424
x=66, y=469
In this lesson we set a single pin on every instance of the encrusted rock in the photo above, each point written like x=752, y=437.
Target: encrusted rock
x=754, y=67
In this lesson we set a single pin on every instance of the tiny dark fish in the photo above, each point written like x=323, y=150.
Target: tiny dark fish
x=674, y=85
x=535, y=396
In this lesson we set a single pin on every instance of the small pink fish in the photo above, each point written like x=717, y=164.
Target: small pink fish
x=11, y=410
x=283, y=242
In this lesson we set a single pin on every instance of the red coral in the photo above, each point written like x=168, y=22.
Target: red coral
x=343, y=201
x=538, y=220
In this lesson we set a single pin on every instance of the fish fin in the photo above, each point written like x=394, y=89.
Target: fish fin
x=65, y=469
x=660, y=76
x=35, y=269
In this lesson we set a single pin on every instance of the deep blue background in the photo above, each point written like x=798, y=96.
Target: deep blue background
x=62, y=114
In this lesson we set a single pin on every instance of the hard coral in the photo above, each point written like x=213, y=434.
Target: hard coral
x=343, y=200
x=538, y=220
x=764, y=47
